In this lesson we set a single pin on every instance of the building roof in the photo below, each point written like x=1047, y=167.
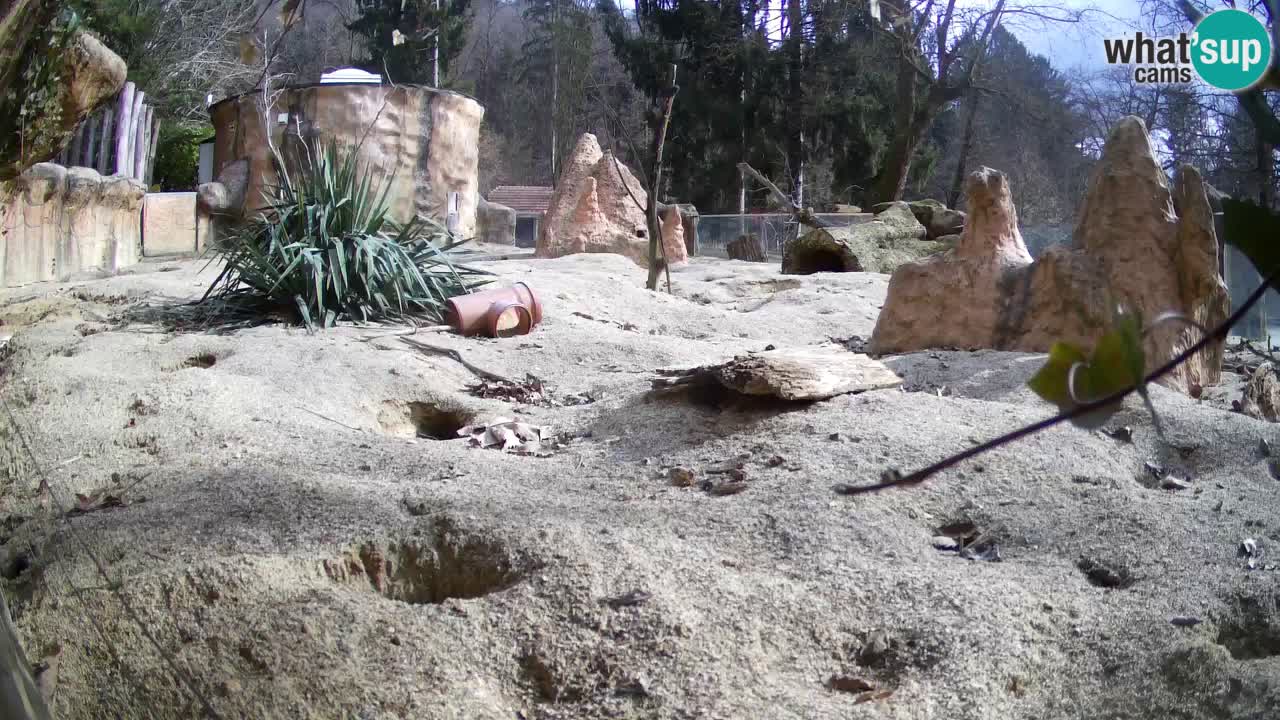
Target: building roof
x=522, y=198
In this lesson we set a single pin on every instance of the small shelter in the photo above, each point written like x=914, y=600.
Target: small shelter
x=530, y=203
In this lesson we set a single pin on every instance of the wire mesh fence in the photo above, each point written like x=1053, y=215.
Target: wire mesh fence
x=715, y=232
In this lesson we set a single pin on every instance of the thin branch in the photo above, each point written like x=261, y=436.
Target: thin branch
x=802, y=215
x=893, y=478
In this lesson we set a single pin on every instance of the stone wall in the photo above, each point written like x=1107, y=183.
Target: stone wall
x=61, y=222
x=426, y=140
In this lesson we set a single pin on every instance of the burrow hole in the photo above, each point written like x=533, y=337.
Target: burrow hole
x=1111, y=576
x=1252, y=632
x=203, y=361
x=817, y=261
x=430, y=569
x=423, y=420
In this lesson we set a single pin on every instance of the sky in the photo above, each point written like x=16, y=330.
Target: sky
x=1076, y=45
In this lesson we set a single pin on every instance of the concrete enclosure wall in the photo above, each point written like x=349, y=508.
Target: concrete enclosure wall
x=169, y=224
x=426, y=140
x=59, y=222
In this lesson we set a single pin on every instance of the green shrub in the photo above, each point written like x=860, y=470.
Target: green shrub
x=325, y=247
x=177, y=163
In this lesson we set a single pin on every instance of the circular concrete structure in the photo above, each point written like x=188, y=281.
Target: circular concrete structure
x=426, y=140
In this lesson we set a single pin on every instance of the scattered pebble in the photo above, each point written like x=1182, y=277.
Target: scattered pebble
x=775, y=461
x=946, y=544
x=1264, y=447
x=631, y=598
x=1185, y=621
x=1174, y=483
x=681, y=477
x=727, y=488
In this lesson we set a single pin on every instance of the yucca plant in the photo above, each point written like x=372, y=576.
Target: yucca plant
x=325, y=246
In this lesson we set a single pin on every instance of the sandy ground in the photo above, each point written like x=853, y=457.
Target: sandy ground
x=298, y=545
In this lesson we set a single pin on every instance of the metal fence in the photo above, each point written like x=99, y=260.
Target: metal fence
x=774, y=231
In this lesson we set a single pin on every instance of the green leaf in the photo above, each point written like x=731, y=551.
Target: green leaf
x=1118, y=363
x=1255, y=231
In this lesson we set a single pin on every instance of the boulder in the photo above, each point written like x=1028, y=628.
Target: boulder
x=1262, y=394
x=495, y=223
x=938, y=220
x=90, y=73
x=1138, y=242
x=894, y=237
x=598, y=206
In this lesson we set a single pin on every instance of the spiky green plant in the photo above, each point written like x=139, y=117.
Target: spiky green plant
x=325, y=246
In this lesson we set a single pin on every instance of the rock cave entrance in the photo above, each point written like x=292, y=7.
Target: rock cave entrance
x=816, y=261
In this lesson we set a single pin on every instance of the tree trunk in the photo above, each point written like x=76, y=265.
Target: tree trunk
x=795, y=99
x=657, y=263
x=893, y=176
x=966, y=146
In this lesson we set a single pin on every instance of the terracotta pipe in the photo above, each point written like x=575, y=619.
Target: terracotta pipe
x=471, y=314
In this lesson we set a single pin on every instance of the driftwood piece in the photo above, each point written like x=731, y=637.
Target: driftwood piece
x=804, y=216
x=804, y=373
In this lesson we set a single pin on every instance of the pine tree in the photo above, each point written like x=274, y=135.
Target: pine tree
x=412, y=41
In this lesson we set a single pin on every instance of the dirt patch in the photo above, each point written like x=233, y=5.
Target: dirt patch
x=449, y=563
x=1252, y=631
x=423, y=419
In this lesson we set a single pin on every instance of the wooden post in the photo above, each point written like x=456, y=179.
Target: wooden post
x=76, y=148
x=105, y=143
x=122, y=128
x=90, y=160
x=136, y=133
x=151, y=156
x=143, y=135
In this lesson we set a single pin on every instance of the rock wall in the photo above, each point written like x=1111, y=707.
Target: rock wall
x=426, y=140
x=59, y=223
x=598, y=207
x=1138, y=242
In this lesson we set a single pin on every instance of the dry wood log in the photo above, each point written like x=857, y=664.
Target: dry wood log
x=804, y=373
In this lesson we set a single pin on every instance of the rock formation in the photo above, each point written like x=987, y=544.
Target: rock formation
x=61, y=222
x=598, y=207
x=423, y=141
x=1261, y=396
x=495, y=223
x=1138, y=242
x=892, y=238
x=88, y=73
x=938, y=220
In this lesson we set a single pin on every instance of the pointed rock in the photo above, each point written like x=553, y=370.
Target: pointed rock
x=1130, y=246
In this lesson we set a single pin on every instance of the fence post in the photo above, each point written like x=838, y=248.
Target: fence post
x=122, y=129
x=105, y=138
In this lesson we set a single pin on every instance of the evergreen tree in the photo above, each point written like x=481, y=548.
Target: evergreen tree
x=412, y=41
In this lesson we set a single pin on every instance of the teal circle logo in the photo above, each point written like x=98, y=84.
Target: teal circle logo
x=1231, y=49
